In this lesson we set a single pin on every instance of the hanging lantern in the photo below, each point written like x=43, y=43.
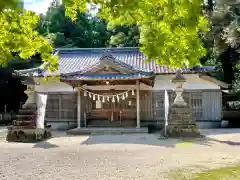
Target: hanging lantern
x=85, y=93
x=90, y=95
x=103, y=99
x=118, y=98
x=123, y=96
x=94, y=97
x=133, y=92
x=108, y=98
x=113, y=99
x=126, y=94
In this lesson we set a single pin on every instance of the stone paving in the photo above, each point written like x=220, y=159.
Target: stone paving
x=115, y=157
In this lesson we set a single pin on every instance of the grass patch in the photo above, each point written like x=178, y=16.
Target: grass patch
x=225, y=173
x=183, y=144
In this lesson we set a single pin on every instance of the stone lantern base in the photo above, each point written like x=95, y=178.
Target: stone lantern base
x=181, y=123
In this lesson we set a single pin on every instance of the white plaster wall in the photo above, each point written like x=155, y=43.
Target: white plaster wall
x=53, y=86
x=57, y=86
x=162, y=82
x=193, y=82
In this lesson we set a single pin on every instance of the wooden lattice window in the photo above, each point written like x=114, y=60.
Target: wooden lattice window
x=196, y=104
x=159, y=99
x=52, y=107
x=68, y=106
x=61, y=106
x=158, y=105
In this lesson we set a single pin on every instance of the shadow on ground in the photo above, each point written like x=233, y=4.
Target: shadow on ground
x=210, y=137
x=229, y=137
x=152, y=140
x=220, y=131
x=228, y=142
x=45, y=145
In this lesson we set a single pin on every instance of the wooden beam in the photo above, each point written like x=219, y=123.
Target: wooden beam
x=138, y=103
x=60, y=106
x=79, y=108
x=93, y=82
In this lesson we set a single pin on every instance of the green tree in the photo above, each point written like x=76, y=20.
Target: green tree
x=223, y=40
x=169, y=29
x=125, y=36
x=86, y=32
x=19, y=37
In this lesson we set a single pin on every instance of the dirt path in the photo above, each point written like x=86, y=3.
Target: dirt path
x=116, y=157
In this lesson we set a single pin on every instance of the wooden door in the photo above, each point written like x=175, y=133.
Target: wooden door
x=115, y=112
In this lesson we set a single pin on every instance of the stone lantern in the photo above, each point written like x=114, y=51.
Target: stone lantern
x=31, y=101
x=179, y=80
x=180, y=122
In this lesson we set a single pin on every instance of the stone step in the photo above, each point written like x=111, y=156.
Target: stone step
x=106, y=123
x=111, y=126
x=26, y=112
x=86, y=131
x=26, y=116
x=21, y=127
x=23, y=123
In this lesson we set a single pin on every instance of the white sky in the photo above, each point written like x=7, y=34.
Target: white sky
x=41, y=6
x=38, y=6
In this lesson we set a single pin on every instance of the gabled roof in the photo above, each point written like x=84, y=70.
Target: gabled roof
x=81, y=60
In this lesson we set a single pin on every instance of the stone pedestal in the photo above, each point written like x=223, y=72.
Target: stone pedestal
x=180, y=122
x=24, y=126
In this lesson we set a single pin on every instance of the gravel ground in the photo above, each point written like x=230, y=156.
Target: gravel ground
x=114, y=157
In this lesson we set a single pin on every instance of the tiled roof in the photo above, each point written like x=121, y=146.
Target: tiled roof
x=80, y=60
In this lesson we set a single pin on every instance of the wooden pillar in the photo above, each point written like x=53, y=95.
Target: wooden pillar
x=60, y=106
x=138, y=103
x=79, y=108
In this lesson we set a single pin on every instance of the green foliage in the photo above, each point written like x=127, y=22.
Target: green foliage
x=225, y=24
x=10, y=4
x=125, y=36
x=222, y=42
x=19, y=37
x=85, y=32
x=169, y=29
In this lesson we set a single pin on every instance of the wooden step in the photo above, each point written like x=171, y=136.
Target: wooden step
x=106, y=123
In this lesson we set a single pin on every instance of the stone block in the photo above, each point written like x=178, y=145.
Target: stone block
x=181, y=123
